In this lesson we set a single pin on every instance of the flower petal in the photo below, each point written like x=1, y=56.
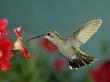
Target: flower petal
x=6, y=45
x=5, y=64
x=20, y=44
x=101, y=73
x=58, y=64
x=24, y=50
x=18, y=32
x=3, y=25
x=6, y=50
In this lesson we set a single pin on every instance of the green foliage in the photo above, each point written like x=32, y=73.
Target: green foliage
x=38, y=68
x=34, y=70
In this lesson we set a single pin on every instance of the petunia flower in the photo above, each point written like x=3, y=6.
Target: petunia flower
x=102, y=72
x=48, y=46
x=6, y=45
x=58, y=64
x=19, y=45
x=3, y=25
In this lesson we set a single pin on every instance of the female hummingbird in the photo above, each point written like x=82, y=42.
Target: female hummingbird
x=70, y=46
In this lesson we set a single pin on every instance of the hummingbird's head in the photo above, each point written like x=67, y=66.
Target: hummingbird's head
x=53, y=36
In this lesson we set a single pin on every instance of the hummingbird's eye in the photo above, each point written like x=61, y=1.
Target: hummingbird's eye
x=48, y=34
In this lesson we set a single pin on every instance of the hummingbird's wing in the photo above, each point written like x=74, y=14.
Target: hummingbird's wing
x=81, y=36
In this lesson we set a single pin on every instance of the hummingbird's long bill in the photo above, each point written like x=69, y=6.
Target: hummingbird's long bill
x=35, y=37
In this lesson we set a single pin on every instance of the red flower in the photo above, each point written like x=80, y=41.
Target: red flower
x=19, y=45
x=102, y=73
x=59, y=64
x=3, y=25
x=6, y=45
x=49, y=46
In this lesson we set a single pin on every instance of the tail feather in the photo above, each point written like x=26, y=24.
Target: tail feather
x=80, y=61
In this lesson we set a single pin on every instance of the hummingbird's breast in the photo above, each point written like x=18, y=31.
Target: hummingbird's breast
x=67, y=50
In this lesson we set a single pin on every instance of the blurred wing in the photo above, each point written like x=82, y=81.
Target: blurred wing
x=81, y=36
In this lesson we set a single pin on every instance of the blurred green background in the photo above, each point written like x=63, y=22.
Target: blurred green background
x=36, y=17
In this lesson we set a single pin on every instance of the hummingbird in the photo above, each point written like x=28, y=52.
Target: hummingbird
x=70, y=46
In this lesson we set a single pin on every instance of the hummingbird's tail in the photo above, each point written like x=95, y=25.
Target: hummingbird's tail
x=81, y=61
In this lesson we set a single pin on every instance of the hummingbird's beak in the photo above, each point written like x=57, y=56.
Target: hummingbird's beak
x=35, y=37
